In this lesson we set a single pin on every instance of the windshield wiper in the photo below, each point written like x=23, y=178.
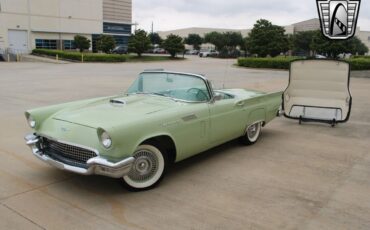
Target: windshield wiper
x=160, y=94
x=153, y=93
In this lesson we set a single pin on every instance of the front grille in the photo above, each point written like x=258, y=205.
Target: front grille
x=68, y=154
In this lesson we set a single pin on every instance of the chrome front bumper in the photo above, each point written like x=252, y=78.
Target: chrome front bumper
x=96, y=165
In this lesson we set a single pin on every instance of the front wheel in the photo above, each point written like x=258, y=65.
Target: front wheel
x=147, y=170
x=252, y=134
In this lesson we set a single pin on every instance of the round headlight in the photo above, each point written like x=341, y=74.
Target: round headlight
x=31, y=122
x=106, y=140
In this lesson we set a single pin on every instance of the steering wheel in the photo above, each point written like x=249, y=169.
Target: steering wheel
x=199, y=93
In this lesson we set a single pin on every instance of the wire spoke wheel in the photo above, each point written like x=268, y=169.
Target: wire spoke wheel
x=147, y=168
x=253, y=131
x=252, y=134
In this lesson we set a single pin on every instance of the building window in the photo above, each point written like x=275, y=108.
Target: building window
x=69, y=45
x=120, y=41
x=46, y=44
x=368, y=38
x=115, y=28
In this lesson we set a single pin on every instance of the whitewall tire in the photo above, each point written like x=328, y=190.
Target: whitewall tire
x=252, y=134
x=147, y=170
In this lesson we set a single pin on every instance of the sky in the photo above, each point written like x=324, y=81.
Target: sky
x=233, y=14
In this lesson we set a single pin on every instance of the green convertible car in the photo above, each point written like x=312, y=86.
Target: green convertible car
x=164, y=117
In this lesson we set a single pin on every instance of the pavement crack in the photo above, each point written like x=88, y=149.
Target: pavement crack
x=2, y=200
x=45, y=190
x=20, y=214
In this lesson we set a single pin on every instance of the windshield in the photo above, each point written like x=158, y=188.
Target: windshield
x=178, y=86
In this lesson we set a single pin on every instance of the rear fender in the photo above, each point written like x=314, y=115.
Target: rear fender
x=258, y=115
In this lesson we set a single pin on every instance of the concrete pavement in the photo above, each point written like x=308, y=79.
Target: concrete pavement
x=296, y=177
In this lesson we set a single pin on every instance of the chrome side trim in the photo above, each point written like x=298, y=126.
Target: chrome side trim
x=189, y=117
x=96, y=165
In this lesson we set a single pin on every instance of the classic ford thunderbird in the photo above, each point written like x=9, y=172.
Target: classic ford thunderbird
x=164, y=117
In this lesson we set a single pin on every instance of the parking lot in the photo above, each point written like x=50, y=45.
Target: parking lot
x=296, y=177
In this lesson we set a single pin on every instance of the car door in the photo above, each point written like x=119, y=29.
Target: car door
x=227, y=117
x=191, y=130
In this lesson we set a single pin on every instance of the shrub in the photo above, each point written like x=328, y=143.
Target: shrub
x=284, y=63
x=139, y=42
x=173, y=44
x=360, y=63
x=106, y=43
x=268, y=63
x=81, y=43
x=366, y=57
x=88, y=57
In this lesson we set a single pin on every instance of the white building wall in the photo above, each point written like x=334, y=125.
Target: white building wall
x=117, y=11
x=42, y=18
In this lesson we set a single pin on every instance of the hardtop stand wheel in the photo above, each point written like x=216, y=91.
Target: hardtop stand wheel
x=147, y=170
x=252, y=134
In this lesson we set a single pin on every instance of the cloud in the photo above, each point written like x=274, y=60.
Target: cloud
x=236, y=14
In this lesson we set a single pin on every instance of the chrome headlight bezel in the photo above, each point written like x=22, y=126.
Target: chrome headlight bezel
x=105, y=139
x=31, y=121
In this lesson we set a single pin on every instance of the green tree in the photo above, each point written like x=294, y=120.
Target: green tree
x=155, y=39
x=267, y=39
x=333, y=48
x=316, y=42
x=106, y=43
x=356, y=46
x=81, y=43
x=301, y=42
x=173, y=44
x=139, y=42
x=216, y=38
x=233, y=40
x=243, y=46
x=195, y=40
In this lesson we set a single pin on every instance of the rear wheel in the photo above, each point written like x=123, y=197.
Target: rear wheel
x=147, y=170
x=252, y=134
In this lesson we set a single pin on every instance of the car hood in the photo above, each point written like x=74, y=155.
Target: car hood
x=114, y=111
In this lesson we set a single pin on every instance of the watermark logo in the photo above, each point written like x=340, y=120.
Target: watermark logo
x=338, y=18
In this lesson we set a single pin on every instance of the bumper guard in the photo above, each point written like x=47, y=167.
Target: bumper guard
x=96, y=165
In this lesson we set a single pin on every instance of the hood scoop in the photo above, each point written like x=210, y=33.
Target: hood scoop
x=118, y=102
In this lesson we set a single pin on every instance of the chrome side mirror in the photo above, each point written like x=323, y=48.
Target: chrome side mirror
x=216, y=97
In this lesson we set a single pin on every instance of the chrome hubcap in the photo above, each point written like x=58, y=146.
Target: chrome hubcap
x=144, y=167
x=252, y=131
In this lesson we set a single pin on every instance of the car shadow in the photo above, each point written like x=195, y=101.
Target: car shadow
x=230, y=148
x=109, y=186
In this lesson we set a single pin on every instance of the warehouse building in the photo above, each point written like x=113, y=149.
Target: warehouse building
x=52, y=24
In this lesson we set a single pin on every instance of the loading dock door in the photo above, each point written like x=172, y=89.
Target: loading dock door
x=17, y=40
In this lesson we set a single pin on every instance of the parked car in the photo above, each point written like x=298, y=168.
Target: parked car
x=318, y=56
x=209, y=53
x=159, y=51
x=345, y=56
x=164, y=117
x=120, y=50
x=192, y=52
